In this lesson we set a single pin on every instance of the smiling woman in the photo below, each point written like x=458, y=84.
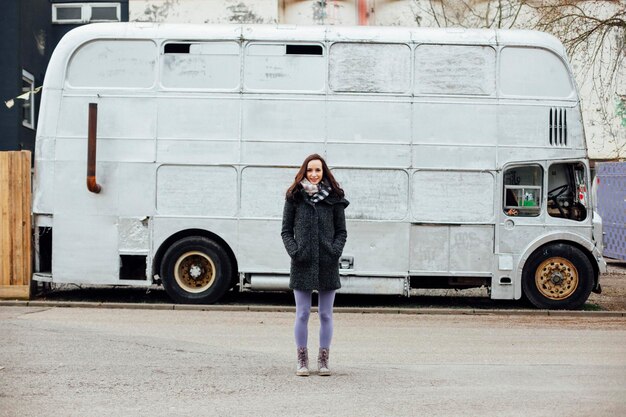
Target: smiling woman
x=314, y=234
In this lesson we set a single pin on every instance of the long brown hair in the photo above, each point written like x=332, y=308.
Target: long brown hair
x=327, y=177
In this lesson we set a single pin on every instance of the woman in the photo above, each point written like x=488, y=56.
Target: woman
x=314, y=233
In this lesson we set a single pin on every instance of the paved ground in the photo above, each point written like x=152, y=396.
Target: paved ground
x=94, y=362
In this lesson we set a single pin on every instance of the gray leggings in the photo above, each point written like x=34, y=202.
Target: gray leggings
x=303, y=311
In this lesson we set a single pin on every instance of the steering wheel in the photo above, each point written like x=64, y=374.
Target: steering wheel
x=555, y=193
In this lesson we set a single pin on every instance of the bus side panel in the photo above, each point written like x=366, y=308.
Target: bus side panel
x=367, y=132
x=451, y=249
x=198, y=130
x=260, y=245
x=85, y=224
x=281, y=130
x=378, y=248
x=261, y=248
x=85, y=248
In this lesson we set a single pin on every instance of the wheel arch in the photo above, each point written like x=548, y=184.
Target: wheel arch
x=586, y=246
x=158, y=256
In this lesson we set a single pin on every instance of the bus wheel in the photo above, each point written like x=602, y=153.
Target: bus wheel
x=196, y=270
x=558, y=276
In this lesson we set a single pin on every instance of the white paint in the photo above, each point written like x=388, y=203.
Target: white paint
x=211, y=66
x=534, y=72
x=363, y=68
x=134, y=235
x=271, y=183
x=113, y=57
x=375, y=194
x=268, y=67
x=196, y=191
x=438, y=196
x=505, y=262
x=450, y=69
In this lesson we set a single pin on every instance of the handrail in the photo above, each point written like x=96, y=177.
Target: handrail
x=92, y=185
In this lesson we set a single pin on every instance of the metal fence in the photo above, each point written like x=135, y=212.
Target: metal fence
x=611, y=195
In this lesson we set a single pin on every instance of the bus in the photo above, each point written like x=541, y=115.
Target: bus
x=164, y=151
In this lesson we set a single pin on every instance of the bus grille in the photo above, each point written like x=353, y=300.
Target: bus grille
x=558, y=126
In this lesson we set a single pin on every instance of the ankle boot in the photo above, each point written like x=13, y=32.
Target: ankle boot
x=322, y=362
x=303, y=362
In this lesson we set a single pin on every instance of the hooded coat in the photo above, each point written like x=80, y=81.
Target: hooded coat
x=314, y=235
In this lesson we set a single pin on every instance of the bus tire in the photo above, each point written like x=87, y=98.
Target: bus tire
x=557, y=276
x=196, y=270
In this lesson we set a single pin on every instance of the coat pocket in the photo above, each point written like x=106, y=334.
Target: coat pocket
x=302, y=253
x=330, y=251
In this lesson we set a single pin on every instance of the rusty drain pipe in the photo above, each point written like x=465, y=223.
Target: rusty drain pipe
x=92, y=185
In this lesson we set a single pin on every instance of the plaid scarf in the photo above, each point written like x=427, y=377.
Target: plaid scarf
x=316, y=192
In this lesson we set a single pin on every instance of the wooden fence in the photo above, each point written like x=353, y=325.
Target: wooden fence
x=15, y=224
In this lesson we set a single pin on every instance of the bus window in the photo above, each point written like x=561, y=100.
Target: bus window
x=522, y=191
x=370, y=68
x=209, y=65
x=455, y=69
x=533, y=72
x=285, y=67
x=113, y=64
x=567, y=191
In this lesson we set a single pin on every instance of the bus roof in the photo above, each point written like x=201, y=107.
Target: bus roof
x=169, y=31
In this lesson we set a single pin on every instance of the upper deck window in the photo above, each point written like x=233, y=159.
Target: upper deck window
x=370, y=67
x=285, y=67
x=455, y=69
x=533, y=72
x=210, y=65
x=113, y=64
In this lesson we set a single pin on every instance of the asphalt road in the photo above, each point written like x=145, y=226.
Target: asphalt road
x=119, y=362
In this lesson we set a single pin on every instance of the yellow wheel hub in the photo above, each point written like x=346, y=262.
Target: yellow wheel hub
x=556, y=278
x=194, y=271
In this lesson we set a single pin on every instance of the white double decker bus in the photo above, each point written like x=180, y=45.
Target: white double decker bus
x=462, y=153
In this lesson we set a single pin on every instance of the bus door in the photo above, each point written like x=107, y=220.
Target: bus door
x=521, y=220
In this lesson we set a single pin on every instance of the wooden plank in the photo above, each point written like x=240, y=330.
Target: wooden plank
x=15, y=224
x=5, y=236
x=16, y=217
x=15, y=291
x=26, y=219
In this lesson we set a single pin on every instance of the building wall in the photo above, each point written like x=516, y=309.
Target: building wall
x=34, y=54
x=27, y=41
x=203, y=11
x=10, y=73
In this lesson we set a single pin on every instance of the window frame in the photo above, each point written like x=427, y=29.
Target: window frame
x=500, y=86
x=494, y=90
x=29, y=78
x=527, y=209
x=406, y=92
x=245, y=63
x=86, y=12
x=579, y=188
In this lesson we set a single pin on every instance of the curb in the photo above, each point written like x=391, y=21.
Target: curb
x=291, y=309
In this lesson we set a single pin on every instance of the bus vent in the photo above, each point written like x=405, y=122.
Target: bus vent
x=558, y=126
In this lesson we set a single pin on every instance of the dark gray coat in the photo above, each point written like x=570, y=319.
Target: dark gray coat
x=314, y=236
